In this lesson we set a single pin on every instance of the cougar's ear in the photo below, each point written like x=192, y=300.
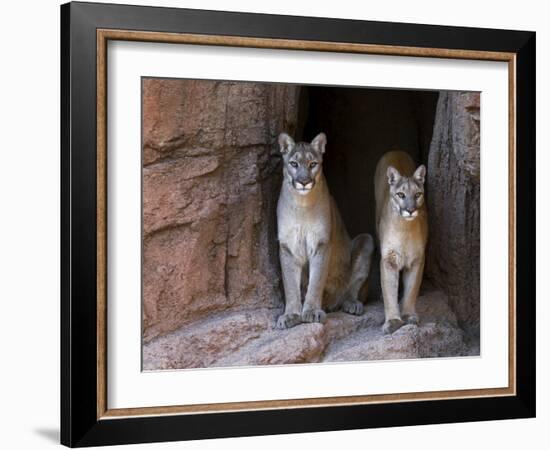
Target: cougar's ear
x=319, y=142
x=286, y=143
x=420, y=174
x=393, y=175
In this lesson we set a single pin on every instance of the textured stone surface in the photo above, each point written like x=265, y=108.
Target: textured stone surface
x=453, y=178
x=211, y=174
x=249, y=337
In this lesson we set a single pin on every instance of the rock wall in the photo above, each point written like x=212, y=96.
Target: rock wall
x=453, y=185
x=211, y=174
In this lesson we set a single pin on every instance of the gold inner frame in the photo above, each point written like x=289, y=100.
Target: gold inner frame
x=103, y=36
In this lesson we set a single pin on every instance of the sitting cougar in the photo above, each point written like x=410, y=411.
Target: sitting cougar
x=402, y=227
x=315, y=250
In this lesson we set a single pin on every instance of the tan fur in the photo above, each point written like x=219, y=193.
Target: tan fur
x=402, y=244
x=317, y=254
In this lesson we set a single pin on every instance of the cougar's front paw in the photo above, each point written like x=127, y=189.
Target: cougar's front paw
x=314, y=315
x=288, y=321
x=353, y=307
x=411, y=319
x=392, y=325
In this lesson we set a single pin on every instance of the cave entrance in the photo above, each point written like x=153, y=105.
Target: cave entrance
x=361, y=125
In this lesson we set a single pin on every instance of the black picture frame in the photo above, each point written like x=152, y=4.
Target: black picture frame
x=80, y=425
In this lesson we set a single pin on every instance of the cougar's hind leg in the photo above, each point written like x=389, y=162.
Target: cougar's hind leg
x=362, y=248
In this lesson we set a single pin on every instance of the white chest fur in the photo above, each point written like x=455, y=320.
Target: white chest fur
x=401, y=241
x=303, y=224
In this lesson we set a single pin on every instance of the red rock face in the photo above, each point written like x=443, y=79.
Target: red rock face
x=211, y=174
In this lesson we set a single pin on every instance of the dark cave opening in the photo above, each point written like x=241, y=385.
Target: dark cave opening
x=361, y=125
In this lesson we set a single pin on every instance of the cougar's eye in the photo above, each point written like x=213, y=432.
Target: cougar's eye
x=312, y=164
x=401, y=195
x=418, y=195
x=294, y=164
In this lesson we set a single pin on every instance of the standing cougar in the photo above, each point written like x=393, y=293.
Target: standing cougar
x=315, y=249
x=402, y=227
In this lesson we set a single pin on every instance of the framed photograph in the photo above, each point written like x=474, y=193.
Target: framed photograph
x=277, y=224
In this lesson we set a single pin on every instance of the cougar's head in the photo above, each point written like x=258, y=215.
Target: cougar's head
x=406, y=193
x=302, y=161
